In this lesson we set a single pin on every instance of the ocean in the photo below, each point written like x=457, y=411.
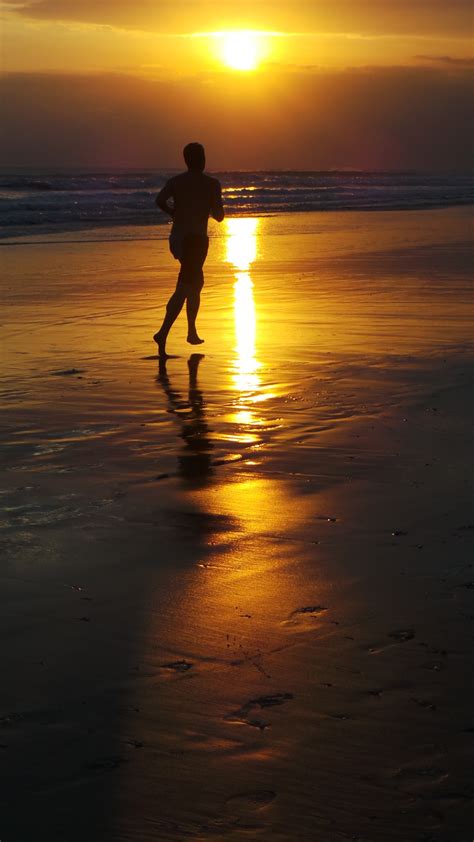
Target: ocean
x=42, y=201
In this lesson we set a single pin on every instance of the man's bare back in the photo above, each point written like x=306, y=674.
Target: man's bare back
x=196, y=196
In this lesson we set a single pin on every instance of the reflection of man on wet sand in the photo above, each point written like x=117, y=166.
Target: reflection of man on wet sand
x=195, y=196
x=195, y=460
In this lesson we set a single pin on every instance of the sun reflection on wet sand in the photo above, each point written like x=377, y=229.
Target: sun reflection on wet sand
x=241, y=252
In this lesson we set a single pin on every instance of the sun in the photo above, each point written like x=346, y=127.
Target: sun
x=241, y=49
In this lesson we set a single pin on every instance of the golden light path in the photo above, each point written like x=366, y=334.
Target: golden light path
x=241, y=251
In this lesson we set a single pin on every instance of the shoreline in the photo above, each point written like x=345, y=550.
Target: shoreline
x=58, y=231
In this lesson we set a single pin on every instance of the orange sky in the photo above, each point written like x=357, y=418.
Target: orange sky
x=350, y=83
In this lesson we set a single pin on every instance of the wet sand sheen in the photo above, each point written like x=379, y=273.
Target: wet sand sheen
x=239, y=585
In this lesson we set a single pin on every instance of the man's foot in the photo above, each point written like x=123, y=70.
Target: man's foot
x=161, y=342
x=194, y=339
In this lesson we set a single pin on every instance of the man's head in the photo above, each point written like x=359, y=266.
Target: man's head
x=195, y=156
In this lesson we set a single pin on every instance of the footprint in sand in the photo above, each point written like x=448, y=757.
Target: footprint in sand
x=244, y=716
x=398, y=636
x=134, y=743
x=422, y=777
x=270, y=701
x=106, y=764
x=402, y=635
x=305, y=615
x=177, y=666
x=251, y=800
x=424, y=703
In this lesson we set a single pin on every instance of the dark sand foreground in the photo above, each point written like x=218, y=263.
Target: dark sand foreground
x=238, y=591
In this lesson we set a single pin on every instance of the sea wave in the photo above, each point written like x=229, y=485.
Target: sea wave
x=66, y=200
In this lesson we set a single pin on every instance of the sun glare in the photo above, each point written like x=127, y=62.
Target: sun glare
x=241, y=50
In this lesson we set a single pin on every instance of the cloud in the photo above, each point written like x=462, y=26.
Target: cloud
x=422, y=17
x=376, y=118
x=448, y=61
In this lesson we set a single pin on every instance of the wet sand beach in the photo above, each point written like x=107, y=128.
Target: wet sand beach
x=238, y=587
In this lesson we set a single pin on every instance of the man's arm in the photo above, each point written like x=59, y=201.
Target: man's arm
x=163, y=197
x=217, y=208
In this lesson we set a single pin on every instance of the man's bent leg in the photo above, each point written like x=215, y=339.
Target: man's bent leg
x=188, y=288
x=173, y=309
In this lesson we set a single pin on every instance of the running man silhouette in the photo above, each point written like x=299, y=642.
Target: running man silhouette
x=195, y=196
